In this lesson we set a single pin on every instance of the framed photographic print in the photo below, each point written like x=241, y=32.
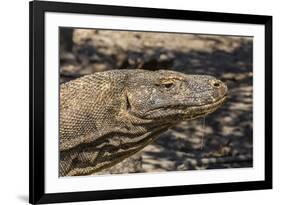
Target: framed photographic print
x=140, y=102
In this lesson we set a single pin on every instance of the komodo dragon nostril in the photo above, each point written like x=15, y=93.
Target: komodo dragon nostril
x=216, y=83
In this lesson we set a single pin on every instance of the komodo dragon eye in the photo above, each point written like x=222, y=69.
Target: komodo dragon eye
x=168, y=85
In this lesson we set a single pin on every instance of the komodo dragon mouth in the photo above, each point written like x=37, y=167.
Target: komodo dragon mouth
x=191, y=112
x=108, y=116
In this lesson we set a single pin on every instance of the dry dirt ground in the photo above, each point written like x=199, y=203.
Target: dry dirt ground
x=223, y=139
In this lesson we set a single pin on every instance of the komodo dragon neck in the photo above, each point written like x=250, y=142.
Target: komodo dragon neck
x=108, y=116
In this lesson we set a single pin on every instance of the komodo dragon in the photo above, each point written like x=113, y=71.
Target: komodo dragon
x=108, y=116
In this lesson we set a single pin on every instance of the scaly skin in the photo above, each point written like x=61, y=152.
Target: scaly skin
x=108, y=116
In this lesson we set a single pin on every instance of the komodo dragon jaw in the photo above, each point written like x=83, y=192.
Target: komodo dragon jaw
x=108, y=116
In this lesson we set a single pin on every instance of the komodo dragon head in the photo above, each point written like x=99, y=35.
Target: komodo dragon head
x=108, y=116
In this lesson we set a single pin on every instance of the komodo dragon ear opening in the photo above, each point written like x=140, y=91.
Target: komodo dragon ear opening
x=128, y=106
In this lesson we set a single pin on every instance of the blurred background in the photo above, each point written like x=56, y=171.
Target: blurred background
x=223, y=139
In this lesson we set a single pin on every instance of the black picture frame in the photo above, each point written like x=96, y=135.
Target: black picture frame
x=37, y=9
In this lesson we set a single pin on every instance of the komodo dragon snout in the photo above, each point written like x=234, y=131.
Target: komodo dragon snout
x=108, y=116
